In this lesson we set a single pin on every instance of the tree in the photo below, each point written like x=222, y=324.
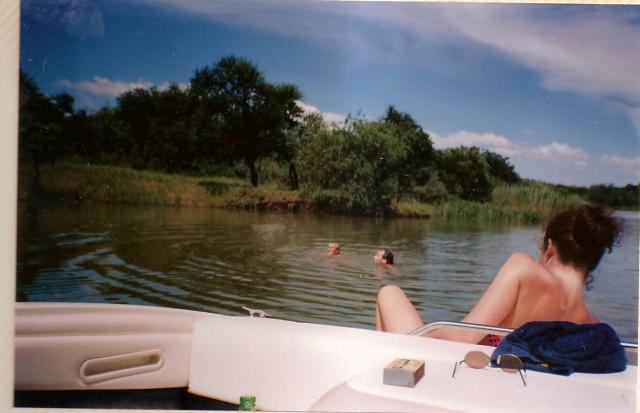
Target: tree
x=174, y=144
x=40, y=130
x=64, y=102
x=353, y=168
x=251, y=114
x=500, y=168
x=161, y=127
x=80, y=132
x=111, y=142
x=419, y=161
x=135, y=109
x=296, y=139
x=615, y=197
x=465, y=173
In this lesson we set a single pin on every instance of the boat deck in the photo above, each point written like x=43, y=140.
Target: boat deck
x=189, y=357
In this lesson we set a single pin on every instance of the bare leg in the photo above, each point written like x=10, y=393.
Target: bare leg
x=394, y=311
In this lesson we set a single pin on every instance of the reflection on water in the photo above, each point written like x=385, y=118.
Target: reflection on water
x=220, y=261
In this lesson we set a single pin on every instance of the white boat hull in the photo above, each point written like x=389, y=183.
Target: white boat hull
x=288, y=366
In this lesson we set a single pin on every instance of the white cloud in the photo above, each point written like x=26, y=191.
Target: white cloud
x=627, y=166
x=328, y=117
x=554, y=162
x=588, y=51
x=402, y=30
x=491, y=141
x=101, y=86
x=554, y=152
x=165, y=86
x=634, y=114
x=560, y=152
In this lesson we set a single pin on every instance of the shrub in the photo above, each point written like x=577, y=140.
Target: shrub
x=433, y=191
x=465, y=173
x=358, y=165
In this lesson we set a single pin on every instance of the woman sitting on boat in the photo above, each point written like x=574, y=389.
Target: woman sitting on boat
x=525, y=289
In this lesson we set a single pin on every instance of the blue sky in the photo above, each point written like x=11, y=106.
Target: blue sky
x=553, y=87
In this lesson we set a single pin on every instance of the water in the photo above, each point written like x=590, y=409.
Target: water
x=220, y=261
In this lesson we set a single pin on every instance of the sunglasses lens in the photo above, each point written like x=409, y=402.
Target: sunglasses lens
x=510, y=363
x=476, y=359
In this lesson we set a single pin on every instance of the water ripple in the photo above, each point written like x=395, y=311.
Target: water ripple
x=219, y=261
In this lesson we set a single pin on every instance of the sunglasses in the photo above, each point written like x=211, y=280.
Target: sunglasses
x=507, y=362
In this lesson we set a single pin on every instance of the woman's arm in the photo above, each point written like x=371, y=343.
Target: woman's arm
x=497, y=301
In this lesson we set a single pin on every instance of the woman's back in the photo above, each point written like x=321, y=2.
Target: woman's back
x=547, y=292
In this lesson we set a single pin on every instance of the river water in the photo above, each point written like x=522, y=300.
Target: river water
x=221, y=260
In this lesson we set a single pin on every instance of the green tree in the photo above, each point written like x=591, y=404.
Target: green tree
x=80, y=132
x=160, y=127
x=419, y=162
x=500, y=168
x=251, y=114
x=135, y=110
x=296, y=138
x=615, y=197
x=111, y=142
x=465, y=173
x=40, y=133
x=174, y=144
x=64, y=102
x=354, y=168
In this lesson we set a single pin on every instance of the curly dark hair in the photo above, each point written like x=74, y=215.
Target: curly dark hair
x=582, y=235
x=387, y=255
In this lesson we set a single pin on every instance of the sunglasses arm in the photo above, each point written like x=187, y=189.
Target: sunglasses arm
x=455, y=367
x=522, y=377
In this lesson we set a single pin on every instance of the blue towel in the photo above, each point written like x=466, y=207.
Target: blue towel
x=561, y=347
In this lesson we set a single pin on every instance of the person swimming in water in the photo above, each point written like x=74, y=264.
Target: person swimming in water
x=333, y=248
x=525, y=289
x=383, y=257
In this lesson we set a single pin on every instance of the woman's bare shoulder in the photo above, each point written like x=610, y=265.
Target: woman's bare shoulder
x=522, y=261
x=525, y=267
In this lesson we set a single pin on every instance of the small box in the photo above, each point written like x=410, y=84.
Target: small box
x=403, y=372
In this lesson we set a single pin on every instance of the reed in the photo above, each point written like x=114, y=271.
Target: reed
x=529, y=202
x=413, y=209
x=536, y=196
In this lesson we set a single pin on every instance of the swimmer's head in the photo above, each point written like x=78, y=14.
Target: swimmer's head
x=333, y=248
x=384, y=256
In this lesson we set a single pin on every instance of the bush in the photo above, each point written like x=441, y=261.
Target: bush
x=465, y=173
x=358, y=165
x=433, y=191
x=270, y=171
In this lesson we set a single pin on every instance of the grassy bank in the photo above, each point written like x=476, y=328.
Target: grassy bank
x=108, y=184
x=529, y=202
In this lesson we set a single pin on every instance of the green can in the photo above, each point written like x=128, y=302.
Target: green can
x=247, y=403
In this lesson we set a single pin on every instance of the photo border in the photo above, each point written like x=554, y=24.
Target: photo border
x=9, y=81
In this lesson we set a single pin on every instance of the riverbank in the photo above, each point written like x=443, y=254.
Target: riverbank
x=528, y=202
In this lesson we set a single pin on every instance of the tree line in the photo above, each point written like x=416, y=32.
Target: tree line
x=230, y=120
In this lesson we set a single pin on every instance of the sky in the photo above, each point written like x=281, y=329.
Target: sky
x=555, y=88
